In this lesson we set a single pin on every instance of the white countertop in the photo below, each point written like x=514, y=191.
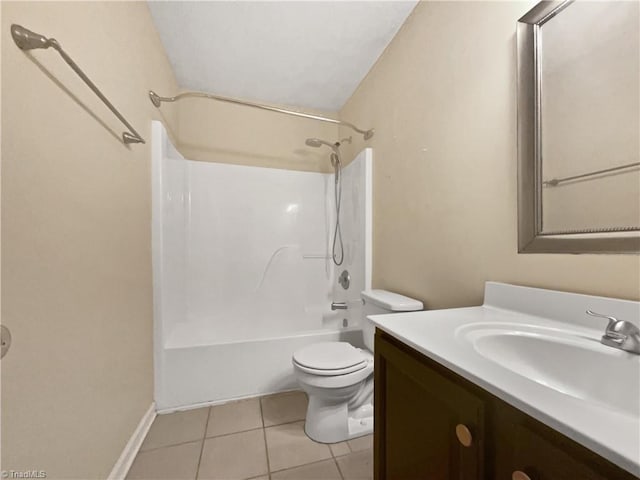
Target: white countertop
x=613, y=434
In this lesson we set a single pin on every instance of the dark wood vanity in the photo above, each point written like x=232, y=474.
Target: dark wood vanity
x=432, y=424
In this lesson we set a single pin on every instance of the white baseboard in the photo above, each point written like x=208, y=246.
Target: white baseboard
x=128, y=455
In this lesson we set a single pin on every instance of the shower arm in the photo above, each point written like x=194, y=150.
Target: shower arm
x=157, y=101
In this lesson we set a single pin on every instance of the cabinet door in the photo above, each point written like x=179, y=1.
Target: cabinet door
x=541, y=460
x=527, y=449
x=417, y=412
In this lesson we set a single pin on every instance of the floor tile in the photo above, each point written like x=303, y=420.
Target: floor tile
x=234, y=417
x=236, y=456
x=178, y=462
x=288, y=446
x=235, y=445
x=338, y=449
x=175, y=428
x=357, y=466
x=325, y=470
x=361, y=443
x=283, y=408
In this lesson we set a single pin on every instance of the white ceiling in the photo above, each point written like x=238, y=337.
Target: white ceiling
x=302, y=53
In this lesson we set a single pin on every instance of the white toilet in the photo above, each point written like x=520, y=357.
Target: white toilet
x=338, y=377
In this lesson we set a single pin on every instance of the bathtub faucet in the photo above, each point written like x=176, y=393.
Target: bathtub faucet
x=339, y=305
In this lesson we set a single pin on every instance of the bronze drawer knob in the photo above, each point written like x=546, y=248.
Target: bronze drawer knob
x=464, y=436
x=520, y=475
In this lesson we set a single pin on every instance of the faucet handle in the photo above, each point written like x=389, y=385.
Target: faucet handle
x=620, y=334
x=612, y=320
x=610, y=331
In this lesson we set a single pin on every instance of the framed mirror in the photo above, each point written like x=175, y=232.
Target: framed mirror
x=579, y=128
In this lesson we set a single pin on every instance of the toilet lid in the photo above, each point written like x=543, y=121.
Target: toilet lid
x=329, y=356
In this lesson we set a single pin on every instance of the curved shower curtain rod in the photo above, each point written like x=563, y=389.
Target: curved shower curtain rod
x=157, y=101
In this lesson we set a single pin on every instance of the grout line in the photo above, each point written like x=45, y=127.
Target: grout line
x=338, y=467
x=233, y=433
x=331, y=450
x=196, y=440
x=167, y=446
x=342, y=454
x=289, y=423
x=303, y=465
x=204, y=436
x=266, y=446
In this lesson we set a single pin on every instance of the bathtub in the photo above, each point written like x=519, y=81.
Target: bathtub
x=242, y=272
x=201, y=375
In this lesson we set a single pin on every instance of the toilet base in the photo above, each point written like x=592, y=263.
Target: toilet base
x=326, y=423
x=361, y=422
x=340, y=406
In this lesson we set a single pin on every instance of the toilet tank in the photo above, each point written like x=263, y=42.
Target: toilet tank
x=382, y=301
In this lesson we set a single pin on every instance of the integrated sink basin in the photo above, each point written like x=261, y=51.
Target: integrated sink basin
x=539, y=351
x=564, y=360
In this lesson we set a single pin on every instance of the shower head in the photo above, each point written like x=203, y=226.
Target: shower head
x=336, y=162
x=316, y=142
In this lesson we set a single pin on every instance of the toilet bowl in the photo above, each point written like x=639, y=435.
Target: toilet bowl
x=338, y=377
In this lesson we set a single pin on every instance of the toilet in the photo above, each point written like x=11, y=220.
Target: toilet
x=338, y=377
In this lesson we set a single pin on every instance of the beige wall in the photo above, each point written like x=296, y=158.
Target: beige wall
x=76, y=270
x=442, y=101
x=76, y=240
x=226, y=133
x=76, y=275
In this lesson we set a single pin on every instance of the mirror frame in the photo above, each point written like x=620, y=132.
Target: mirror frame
x=531, y=238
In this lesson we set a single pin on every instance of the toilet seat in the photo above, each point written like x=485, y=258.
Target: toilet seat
x=329, y=358
x=321, y=372
x=331, y=380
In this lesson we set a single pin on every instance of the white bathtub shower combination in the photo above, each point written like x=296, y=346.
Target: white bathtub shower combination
x=243, y=274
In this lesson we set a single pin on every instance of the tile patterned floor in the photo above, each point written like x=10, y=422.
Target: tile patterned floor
x=259, y=438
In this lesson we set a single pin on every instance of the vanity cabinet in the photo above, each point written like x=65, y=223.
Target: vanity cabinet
x=432, y=424
x=419, y=415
